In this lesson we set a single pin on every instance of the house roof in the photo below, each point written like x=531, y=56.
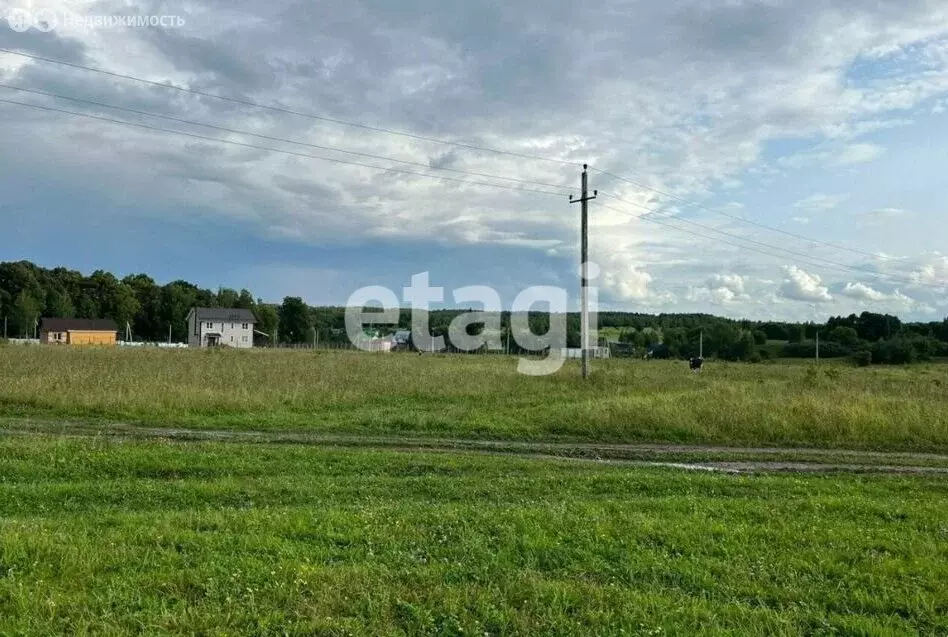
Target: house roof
x=234, y=315
x=85, y=325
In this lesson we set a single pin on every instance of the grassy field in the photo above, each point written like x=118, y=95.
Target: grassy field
x=104, y=537
x=789, y=404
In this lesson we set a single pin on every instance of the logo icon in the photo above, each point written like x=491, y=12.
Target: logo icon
x=45, y=20
x=20, y=20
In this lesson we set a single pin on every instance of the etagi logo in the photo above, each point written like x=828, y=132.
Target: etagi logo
x=421, y=295
x=22, y=20
x=47, y=20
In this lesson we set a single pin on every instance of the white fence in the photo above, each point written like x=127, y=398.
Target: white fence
x=162, y=345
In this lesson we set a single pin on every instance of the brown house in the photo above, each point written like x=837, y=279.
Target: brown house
x=77, y=331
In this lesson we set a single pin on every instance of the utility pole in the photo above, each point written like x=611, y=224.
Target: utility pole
x=169, y=333
x=584, y=266
x=701, y=345
x=817, y=348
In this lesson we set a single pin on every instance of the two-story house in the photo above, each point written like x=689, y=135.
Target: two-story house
x=216, y=326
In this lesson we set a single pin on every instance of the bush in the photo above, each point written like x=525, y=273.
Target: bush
x=895, y=352
x=863, y=358
x=808, y=350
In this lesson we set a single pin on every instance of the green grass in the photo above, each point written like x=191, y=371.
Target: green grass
x=791, y=404
x=109, y=537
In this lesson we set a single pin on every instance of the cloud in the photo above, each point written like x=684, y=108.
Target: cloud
x=881, y=216
x=820, y=202
x=934, y=272
x=802, y=286
x=863, y=292
x=895, y=301
x=720, y=289
x=858, y=154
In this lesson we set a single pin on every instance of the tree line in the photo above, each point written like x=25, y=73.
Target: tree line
x=156, y=312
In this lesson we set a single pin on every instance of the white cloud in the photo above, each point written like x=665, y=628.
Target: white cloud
x=934, y=272
x=802, y=286
x=893, y=302
x=863, y=292
x=858, y=154
x=627, y=283
x=720, y=289
x=820, y=202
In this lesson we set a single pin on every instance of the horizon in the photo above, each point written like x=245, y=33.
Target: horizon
x=468, y=308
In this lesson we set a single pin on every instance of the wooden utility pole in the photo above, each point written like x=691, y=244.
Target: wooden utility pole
x=584, y=266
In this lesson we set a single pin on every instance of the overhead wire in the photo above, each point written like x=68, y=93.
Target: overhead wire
x=738, y=218
x=765, y=249
x=273, y=150
x=286, y=110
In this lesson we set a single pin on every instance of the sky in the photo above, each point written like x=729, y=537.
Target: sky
x=769, y=160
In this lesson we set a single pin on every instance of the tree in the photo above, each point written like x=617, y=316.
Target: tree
x=843, y=335
x=148, y=325
x=796, y=334
x=760, y=337
x=177, y=299
x=227, y=297
x=121, y=305
x=58, y=304
x=267, y=319
x=245, y=300
x=25, y=314
x=875, y=327
x=294, y=320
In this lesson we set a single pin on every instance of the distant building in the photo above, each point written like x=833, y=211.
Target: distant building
x=575, y=352
x=63, y=331
x=621, y=350
x=401, y=340
x=216, y=326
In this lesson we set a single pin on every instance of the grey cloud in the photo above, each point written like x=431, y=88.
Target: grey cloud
x=51, y=45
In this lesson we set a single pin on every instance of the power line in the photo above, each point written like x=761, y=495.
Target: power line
x=824, y=262
x=696, y=204
x=273, y=150
x=802, y=258
x=282, y=109
x=274, y=139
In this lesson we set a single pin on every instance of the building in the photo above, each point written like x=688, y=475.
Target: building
x=576, y=352
x=219, y=326
x=401, y=340
x=64, y=331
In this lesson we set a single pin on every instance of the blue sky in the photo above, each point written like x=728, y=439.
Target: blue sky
x=825, y=120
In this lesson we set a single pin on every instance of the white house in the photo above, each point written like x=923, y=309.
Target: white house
x=211, y=326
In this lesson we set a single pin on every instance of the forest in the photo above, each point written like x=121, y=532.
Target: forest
x=155, y=312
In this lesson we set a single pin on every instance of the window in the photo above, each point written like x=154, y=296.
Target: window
x=244, y=339
x=245, y=326
x=210, y=325
x=231, y=326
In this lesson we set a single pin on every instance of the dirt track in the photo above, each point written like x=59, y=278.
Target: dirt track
x=737, y=460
